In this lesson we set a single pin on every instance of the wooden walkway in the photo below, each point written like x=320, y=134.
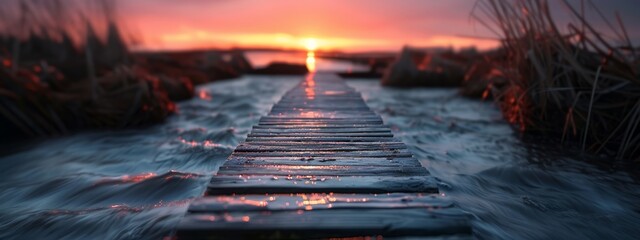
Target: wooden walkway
x=321, y=165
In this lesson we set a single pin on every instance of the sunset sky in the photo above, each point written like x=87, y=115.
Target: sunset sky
x=352, y=25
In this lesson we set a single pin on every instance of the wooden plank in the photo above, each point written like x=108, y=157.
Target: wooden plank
x=322, y=139
x=329, y=107
x=302, y=127
x=327, y=154
x=311, y=118
x=325, y=224
x=317, y=201
x=317, y=108
x=332, y=120
x=381, y=145
x=244, y=184
x=312, y=123
x=320, y=135
x=306, y=147
x=332, y=170
x=320, y=130
x=319, y=114
x=348, y=161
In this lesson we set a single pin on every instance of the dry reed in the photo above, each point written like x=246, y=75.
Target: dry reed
x=59, y=74
x=575, y=84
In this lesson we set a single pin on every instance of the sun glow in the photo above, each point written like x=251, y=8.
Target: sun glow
x=311, y=44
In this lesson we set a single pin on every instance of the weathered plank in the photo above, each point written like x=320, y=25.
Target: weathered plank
x=246, y=184
x=370, y=154
x=322, y=139
x=301, y=129
x=270, y=118
x=292, y=146
x=325, y=224
x=381, y=145
x=317, y=201
x=328, y=170
x=322, y=161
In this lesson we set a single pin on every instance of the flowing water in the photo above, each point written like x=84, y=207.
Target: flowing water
x=514, y=189
x=133, y=184
x=136, y=184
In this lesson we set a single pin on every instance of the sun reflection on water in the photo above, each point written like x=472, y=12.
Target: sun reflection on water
x=310, y=86
x=311, y=61
x=311, y=44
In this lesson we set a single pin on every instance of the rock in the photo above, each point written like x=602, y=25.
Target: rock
x=239, y=62
x=415, y=68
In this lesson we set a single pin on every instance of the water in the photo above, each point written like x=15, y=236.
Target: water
x=133, y=184
x=136, y=184
x=514, y=189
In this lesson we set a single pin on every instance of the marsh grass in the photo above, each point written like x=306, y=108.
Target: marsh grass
x=65, y=66
x=573, y=83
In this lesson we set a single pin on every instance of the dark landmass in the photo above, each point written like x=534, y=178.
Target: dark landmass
x=281, y=68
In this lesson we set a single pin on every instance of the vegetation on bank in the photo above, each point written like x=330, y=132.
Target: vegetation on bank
x=66, y=66
x=573, y=83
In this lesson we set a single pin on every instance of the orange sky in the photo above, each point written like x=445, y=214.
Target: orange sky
x=351, y=25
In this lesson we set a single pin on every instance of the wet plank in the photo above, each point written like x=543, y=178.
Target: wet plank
x=305, y=147
x=321, y=164
x=322, y=161
x=322, y=139
x=327, y=154
x=317, y=201
x=303, y=121
x=306, y=129
x=252, y=184
x=325, y=224
x=320, y=127
x=329, y=170
x=381, y=145
x=273, y=118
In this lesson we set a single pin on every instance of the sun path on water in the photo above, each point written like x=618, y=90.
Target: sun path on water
x=311, y=44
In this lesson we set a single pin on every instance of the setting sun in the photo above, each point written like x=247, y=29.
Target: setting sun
x=311, y=44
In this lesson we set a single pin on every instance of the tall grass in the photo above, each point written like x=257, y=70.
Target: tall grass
x=572, y=82
x=65, y=67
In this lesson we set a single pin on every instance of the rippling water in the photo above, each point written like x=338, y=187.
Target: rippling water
x=133, y=184
x=515, y=190
x=136, y=184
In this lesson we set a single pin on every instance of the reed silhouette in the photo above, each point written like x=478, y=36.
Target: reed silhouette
x=576, y=85
x=66, y=65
